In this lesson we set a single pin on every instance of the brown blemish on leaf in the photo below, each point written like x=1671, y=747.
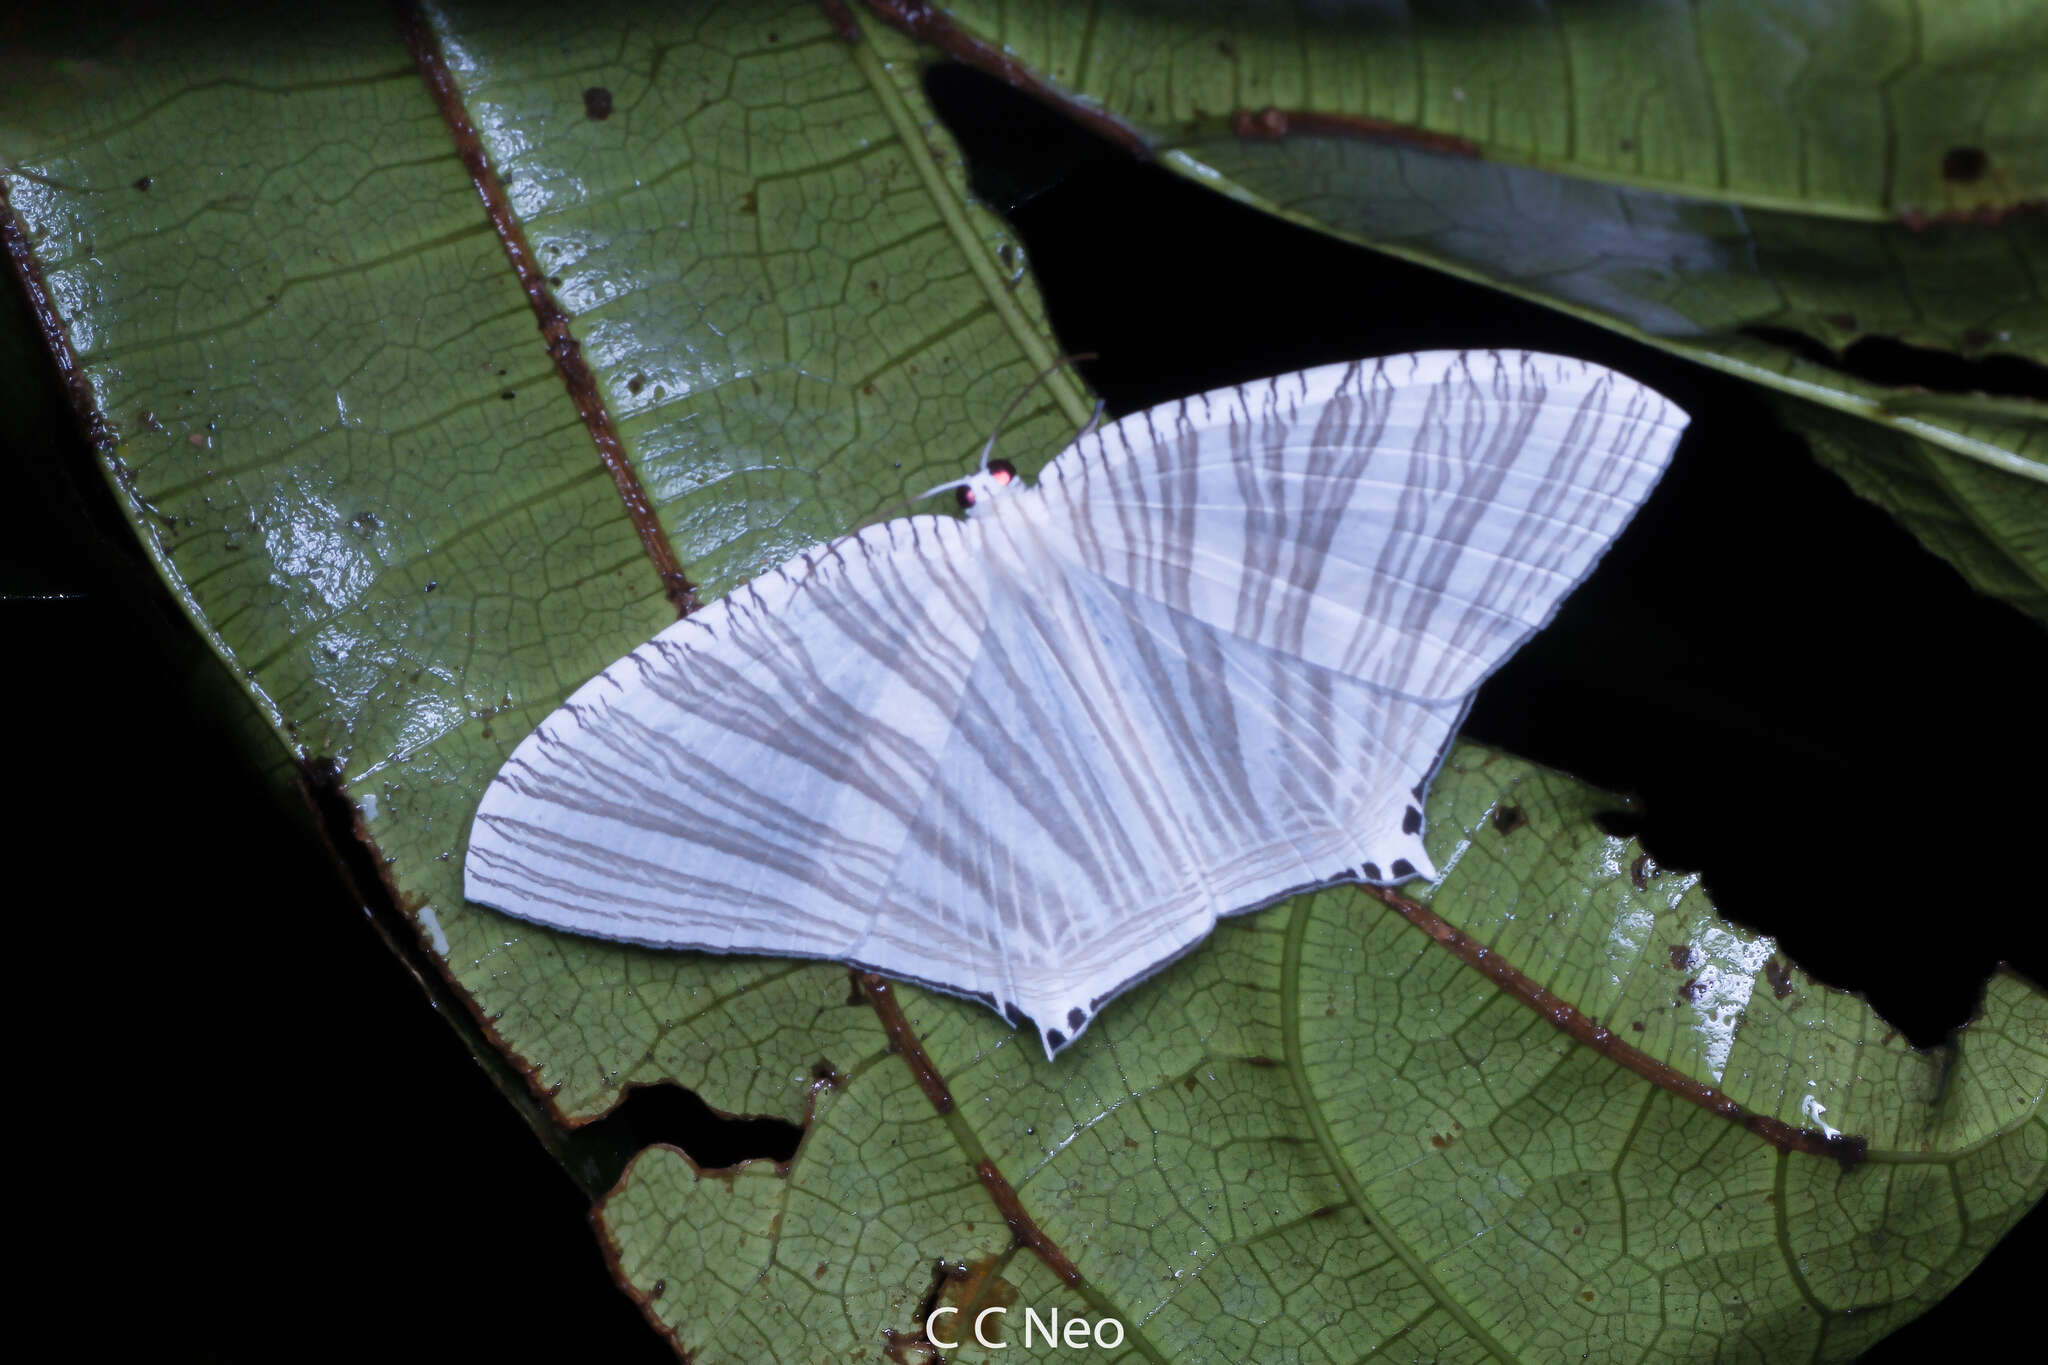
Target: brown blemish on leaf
x=1639, y=872
x=929, y=25
x=1681, y=956
x=1566, y=1019
x=749, y=203
x=1692, y=991
x=145, y=182
x=1440, y=1140
x=1780, y=979
x=1131, y=1143
x=1260, y=1061
x=1270, y=124
x=1964, y=165
x=1508, y=819
x=562, y=346
x=597, y=104
x=981, y=1285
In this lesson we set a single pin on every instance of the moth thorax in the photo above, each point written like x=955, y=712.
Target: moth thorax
x=986, y=485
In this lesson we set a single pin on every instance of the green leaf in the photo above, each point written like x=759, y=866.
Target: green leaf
x=1322, y=1135
x=1749, y=189
x=381, y=495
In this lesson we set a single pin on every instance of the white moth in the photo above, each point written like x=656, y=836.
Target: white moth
x=1213, y=658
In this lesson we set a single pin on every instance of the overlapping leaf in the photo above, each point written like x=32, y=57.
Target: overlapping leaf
x=337, y=430
x=1757, y=189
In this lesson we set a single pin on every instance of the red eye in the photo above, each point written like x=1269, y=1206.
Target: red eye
x=964, y=495
x=1002, y=471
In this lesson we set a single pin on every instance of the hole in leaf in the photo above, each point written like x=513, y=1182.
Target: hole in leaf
x=678, y=1117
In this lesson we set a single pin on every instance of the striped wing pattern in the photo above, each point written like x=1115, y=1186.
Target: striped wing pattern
x=1030, y=757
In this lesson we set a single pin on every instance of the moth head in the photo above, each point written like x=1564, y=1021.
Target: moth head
x=982, y=488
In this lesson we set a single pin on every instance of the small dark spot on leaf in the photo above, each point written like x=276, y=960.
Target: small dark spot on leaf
x=1131, y=1143
x=1439, y=1140
x=1691, y=990
x=1780, y=979
x=1579, y=1230
x=507, y=395
x=1411, y=820
x=868, y=389
x=554, y=281
x=1190, y=1082
x=748, y=204
x=774, y=38
x=145, y=182
x=1324, y=1212
x=1508, y=819
x=1260, y=1061
x=1964, y=165
x=636, y=383
x=819, y=1273
x=1681, y=955
x=1627, y=144
x=660, y=1288
x=1639, y=872
x=1975, y=339
x=432, y=584
x=597, y=103
x=1637, y=1026
x=1587, y=1295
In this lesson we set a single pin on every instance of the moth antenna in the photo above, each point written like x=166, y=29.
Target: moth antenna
x=1059, y=363
x=1094, y=419
x=988, y=450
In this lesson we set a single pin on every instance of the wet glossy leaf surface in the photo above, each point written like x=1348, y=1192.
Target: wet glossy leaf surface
x=339, y=434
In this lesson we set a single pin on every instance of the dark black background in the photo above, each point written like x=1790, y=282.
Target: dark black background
x=261, y=1139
